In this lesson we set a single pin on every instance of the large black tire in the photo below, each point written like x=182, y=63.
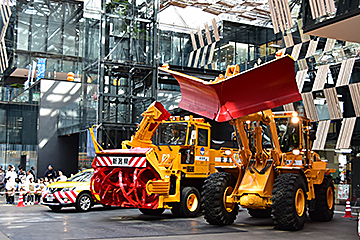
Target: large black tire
x=216, y=187
x=260, y=213
x=152, y=212
x=289, y=202
x=189, y=205
x=84, y=202
x=189, y=202
x=324, y=201
x=55, y=207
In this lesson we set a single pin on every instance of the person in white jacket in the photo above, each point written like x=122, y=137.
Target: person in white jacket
x=61, y=177
x=10, y=185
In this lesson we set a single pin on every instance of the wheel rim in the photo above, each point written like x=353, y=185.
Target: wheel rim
x=300, y=202
x=330, y=197
x=192, y=202
x=228, y=206
x=85, y=203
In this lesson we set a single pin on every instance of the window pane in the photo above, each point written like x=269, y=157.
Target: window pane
x=203, y=137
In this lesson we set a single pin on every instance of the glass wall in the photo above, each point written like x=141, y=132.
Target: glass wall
x=239, y=44
x=18, y=128
x=51, y=30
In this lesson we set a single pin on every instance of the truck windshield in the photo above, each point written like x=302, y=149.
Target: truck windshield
x=172, y=133
x=81, y=177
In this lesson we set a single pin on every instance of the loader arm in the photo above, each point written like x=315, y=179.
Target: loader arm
x=267, y=117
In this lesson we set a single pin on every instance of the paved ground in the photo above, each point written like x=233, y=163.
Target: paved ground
x=38, y=223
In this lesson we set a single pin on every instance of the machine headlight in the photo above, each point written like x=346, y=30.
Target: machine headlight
x=295, y=119
x=228, y=152
x=296, y=151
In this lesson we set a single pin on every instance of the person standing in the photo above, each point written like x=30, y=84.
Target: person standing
x=29, y=175
x=50, y=173
x=61, y=177
x=32, y=171
x=31, y=192
x=10, y=185
x=21, y=173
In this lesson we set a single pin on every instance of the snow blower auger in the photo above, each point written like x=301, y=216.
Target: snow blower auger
x=163, y=166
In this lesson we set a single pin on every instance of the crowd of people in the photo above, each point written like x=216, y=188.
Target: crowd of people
x=25, y=182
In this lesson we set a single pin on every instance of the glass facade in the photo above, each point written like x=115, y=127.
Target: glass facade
x=18, y=127
x=123, y=64
x=48, y=29
x=239, y=44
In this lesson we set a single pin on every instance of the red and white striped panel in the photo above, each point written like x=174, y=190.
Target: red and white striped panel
x=102, y=161
x=44, y=193
x=71, y=195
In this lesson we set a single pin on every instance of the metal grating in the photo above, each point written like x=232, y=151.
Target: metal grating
x=345, y=72
x=5, y=15
x=346, y=131
x=330, y=43
x=280, y=15
x=300, y=79
x=320, y=79
x=289, y=107
x=312, y=48
x=333, y=103
x=321, y=8
x=309, y=106
x=321, y=134
x=355, y=97
x=296, y=51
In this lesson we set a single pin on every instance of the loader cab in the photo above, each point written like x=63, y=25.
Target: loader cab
x=294, y=132
x=288, y=134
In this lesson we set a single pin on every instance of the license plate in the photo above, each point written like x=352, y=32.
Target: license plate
x=50, y=198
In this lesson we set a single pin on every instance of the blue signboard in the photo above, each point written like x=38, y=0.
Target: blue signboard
x=41, y=67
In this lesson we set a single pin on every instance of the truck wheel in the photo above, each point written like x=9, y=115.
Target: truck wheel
x=289, y=202
x=83, y=202
x=55, y=207
x=324, y=200
x=216, y=188
x=260, y=213
x=152, y=212
x=189, y=203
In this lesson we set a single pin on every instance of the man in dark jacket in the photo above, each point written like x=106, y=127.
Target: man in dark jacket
x=50, y=173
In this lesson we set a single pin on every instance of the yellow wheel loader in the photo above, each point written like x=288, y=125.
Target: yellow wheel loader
x=163, y=166
x=278, y=174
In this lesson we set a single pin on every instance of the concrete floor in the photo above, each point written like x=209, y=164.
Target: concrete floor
x=38, y=223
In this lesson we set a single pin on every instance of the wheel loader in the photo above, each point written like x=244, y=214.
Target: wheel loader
x=278, y=174
x=163, y=166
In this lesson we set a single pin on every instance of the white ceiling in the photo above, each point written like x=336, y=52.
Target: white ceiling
x=254, y=11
